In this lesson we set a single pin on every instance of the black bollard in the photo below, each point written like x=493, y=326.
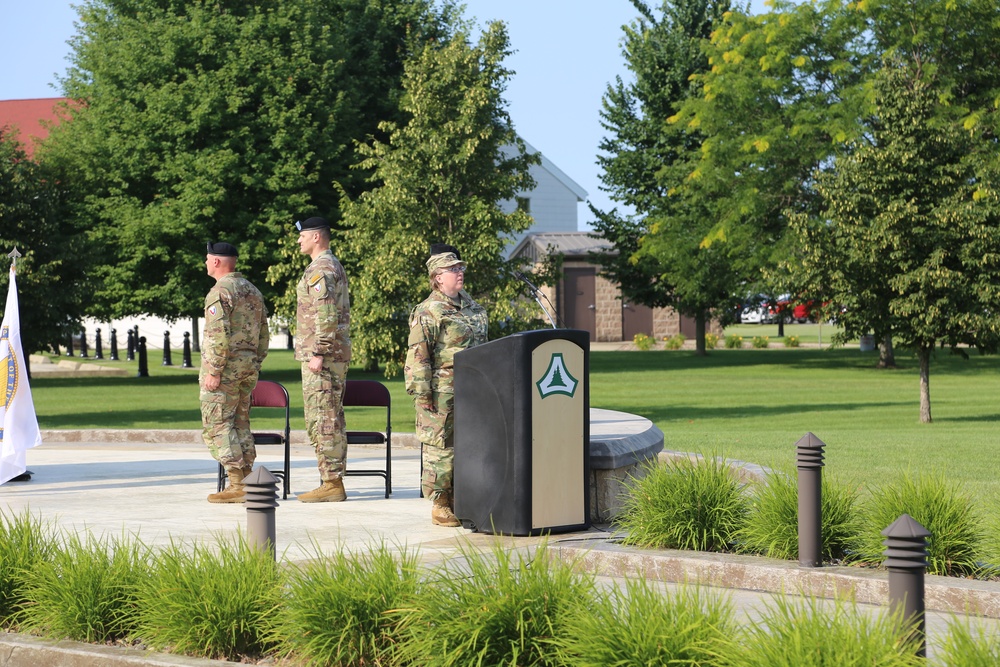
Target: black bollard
x=262, y=497
x=166, y=349
x=69, y=346
x=98, y=351
x=114, y=345
x=809, y=461
x=906, y=559
x=290, y=342
x=83, y=343
x=143, y=362
x=187, y=351
x=130, y=346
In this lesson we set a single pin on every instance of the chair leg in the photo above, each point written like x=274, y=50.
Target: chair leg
x=220, y=482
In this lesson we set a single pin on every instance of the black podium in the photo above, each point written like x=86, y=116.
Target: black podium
x=522, y=429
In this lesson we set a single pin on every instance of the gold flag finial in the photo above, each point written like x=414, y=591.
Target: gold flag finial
x=13, y=254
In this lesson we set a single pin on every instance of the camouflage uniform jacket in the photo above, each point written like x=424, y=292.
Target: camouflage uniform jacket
x=439, y=328
x=235, y=325
x=323, y=314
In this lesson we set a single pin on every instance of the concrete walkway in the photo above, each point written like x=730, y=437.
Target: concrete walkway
x=156, y=490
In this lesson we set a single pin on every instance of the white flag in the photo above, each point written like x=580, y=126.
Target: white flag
x=17, y=412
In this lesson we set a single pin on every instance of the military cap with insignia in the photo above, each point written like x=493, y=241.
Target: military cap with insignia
x=441, y=248
x=222, y=249
x=443, y=256
x=315, y=222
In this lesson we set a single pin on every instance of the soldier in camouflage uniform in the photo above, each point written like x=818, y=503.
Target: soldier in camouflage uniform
x=323, y=345
x=235, y=343
x=446, y=322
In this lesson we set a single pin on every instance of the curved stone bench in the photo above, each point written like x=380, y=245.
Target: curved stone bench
x=621, y=445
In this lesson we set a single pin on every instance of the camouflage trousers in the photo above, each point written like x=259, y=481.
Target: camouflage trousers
x=436, y=432
x=323, y=395
x=225, y=420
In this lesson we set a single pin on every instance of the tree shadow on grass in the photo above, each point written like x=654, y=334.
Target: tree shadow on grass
x=124, y=418
x=669, y=413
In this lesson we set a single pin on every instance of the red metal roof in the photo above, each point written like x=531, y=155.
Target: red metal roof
x=27, y=117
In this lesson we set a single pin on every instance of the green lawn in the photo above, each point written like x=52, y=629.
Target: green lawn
x=807, y=333
x=746, y=404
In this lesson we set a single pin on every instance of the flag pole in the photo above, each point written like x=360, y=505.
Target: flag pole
x=13, y=254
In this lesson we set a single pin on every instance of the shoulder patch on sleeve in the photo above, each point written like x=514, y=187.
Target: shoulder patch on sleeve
x=213, y=310
x=317, y=285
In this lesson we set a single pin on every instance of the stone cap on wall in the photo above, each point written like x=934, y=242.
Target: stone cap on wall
x=619, y=439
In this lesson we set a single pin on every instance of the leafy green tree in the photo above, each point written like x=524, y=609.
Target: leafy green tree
x=221, y=119
x=910, y=241
x=660, y=259
x=439, y=177
x=50, y=272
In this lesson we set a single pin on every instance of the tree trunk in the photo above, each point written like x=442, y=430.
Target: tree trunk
x=699, y=334
x=924, y=355
x=370, y=366
x=886, y=357
x=195, y=338
x=781, y=325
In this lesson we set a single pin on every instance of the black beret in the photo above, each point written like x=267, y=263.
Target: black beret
x=222, y=249
x=439, y=248
x=312, y=223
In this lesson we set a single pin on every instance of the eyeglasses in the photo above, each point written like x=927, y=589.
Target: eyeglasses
x=458, y=268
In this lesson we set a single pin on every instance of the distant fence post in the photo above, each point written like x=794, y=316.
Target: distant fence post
x=114, y=345
x=69, y=346
x=98, y=350
x=167, y=360
x=186, y=350
x=143, y=362
x=906, y=559
x=809, y=461
x=83, y=343
x=130, y=346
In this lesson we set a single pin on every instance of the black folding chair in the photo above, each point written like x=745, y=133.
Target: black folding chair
x=269, y=394
x=369, y=393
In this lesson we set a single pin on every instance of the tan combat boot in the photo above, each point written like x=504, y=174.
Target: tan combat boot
x=234, y=493
x=442, y=514
x=327, y=492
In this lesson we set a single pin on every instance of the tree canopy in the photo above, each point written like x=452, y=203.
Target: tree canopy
x=439, y=177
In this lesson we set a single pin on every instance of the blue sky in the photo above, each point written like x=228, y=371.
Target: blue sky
x=566, y=53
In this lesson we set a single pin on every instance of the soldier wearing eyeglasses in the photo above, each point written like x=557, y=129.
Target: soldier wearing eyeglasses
x=445, y=323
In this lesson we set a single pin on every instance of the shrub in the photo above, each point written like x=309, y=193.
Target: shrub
x=969, y=646
x=502, y=608
x=212, y=604
x=336, y=610
x=791, y=341
x=88, y=591
x=760, y=342
x=772, y=527
x=938, y=505
x=685, y=504
x=734, y=342
x=643, y=341
x=675, y=342
x=642, y=625
x=25, y=544
x=813, y=632
x=711, y=341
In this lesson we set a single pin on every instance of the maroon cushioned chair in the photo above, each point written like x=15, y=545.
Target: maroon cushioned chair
x=269, y=394
x=369, y=393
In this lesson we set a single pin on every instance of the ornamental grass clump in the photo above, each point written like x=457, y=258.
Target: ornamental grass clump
x=211, y=603
x=791, y=341
x=969, y=646
x=502, y=607
x=643, y=341
x=645, y=625
x=734, y=342
x=760, y=342
x=26, y=543
x=674, y=342
x=685, y=504
x=711, y=341
x=88, y=591
x=813, y=633
x=941, y=507
x=337, y=608
x=772, y=526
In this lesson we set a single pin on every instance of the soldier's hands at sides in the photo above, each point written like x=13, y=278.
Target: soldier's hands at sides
x=211, y=382
x=316, y=364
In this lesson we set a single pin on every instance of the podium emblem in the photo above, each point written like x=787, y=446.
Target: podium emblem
x=557, y=378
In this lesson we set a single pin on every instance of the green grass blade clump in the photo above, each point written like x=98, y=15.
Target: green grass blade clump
x=26, y=543
x=772, y=526
x=685, y=504
x=337, y=608
x=88, y=591
x=824, y=633
x=491, y=609
x=969, y=646
x=210, y=603
x=941, y=507
x=643, y=625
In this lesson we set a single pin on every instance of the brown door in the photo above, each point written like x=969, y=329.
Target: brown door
x=636, y=318
x=689, y=327
x=581, y=309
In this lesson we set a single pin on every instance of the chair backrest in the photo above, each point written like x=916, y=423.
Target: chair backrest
x=269, y=394
x=366, y=392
